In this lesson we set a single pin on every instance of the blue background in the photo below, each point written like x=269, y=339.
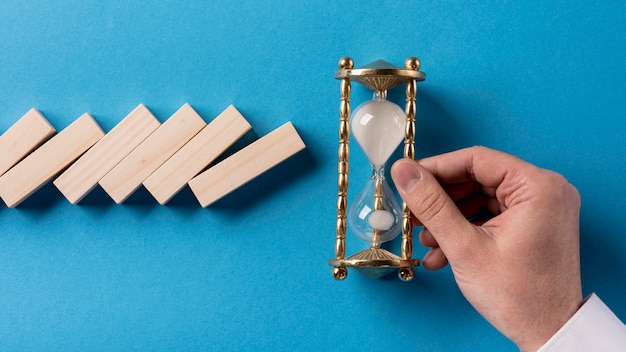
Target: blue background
x=543, y=80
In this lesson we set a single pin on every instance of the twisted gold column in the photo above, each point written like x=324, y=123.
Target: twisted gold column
x=411, y=63
x=343, y=154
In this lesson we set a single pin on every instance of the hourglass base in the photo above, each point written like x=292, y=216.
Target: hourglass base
x=377, y=262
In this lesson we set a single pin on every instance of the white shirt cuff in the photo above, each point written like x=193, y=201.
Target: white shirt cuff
x=594, y=327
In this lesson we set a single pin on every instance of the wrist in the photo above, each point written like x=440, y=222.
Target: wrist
x=547, y=324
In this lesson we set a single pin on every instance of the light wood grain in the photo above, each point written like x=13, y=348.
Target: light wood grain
x=197, y=154
x=47, y=161
x=246, y=164
x=83, y=176
x=29, y=132
x=127, y=176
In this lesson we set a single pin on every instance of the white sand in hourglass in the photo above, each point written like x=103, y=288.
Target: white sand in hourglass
x=381, y=220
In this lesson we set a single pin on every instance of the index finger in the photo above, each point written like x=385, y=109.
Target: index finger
x=486, y=166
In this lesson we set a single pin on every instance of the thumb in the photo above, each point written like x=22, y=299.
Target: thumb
x=431, y=205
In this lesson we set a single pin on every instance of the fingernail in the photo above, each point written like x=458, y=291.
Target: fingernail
x=405, y=175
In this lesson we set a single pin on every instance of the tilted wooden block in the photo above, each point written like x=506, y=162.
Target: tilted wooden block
x=29, y=132
x=48, y=160
x=80, y=178
x=197, y=154
x=127, y=176
x=246, y=164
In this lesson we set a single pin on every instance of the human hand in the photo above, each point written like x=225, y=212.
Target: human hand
x=519, y=269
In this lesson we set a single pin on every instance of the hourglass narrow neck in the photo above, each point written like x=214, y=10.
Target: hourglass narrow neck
x=378, y=173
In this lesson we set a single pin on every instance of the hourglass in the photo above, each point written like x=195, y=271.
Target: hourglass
x=378, y=126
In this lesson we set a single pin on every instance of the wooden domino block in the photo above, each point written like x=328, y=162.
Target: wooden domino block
x=48, y=160
x=197, y=154
x=80, y=178
x=246, y=164
x=166, y=140
x=29, y=132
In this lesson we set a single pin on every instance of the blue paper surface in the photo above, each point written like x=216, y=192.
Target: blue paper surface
x=542, y=80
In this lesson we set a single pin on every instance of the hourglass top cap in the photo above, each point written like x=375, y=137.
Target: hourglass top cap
x=380, y=75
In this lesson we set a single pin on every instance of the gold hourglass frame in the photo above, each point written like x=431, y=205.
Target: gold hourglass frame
x=380, y=76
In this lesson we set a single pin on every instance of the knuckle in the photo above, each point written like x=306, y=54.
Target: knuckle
x=430, y=205
x=559, y=190
x=478, y=148
x=575, y=194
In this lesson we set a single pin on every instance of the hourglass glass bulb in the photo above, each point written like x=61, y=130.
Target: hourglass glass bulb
x=375, y=215
x=378, y=127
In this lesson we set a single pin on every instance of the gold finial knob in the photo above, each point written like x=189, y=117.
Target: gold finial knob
x=406, y=274
x=412, y=63
x=346, y=63
x=340, y=272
